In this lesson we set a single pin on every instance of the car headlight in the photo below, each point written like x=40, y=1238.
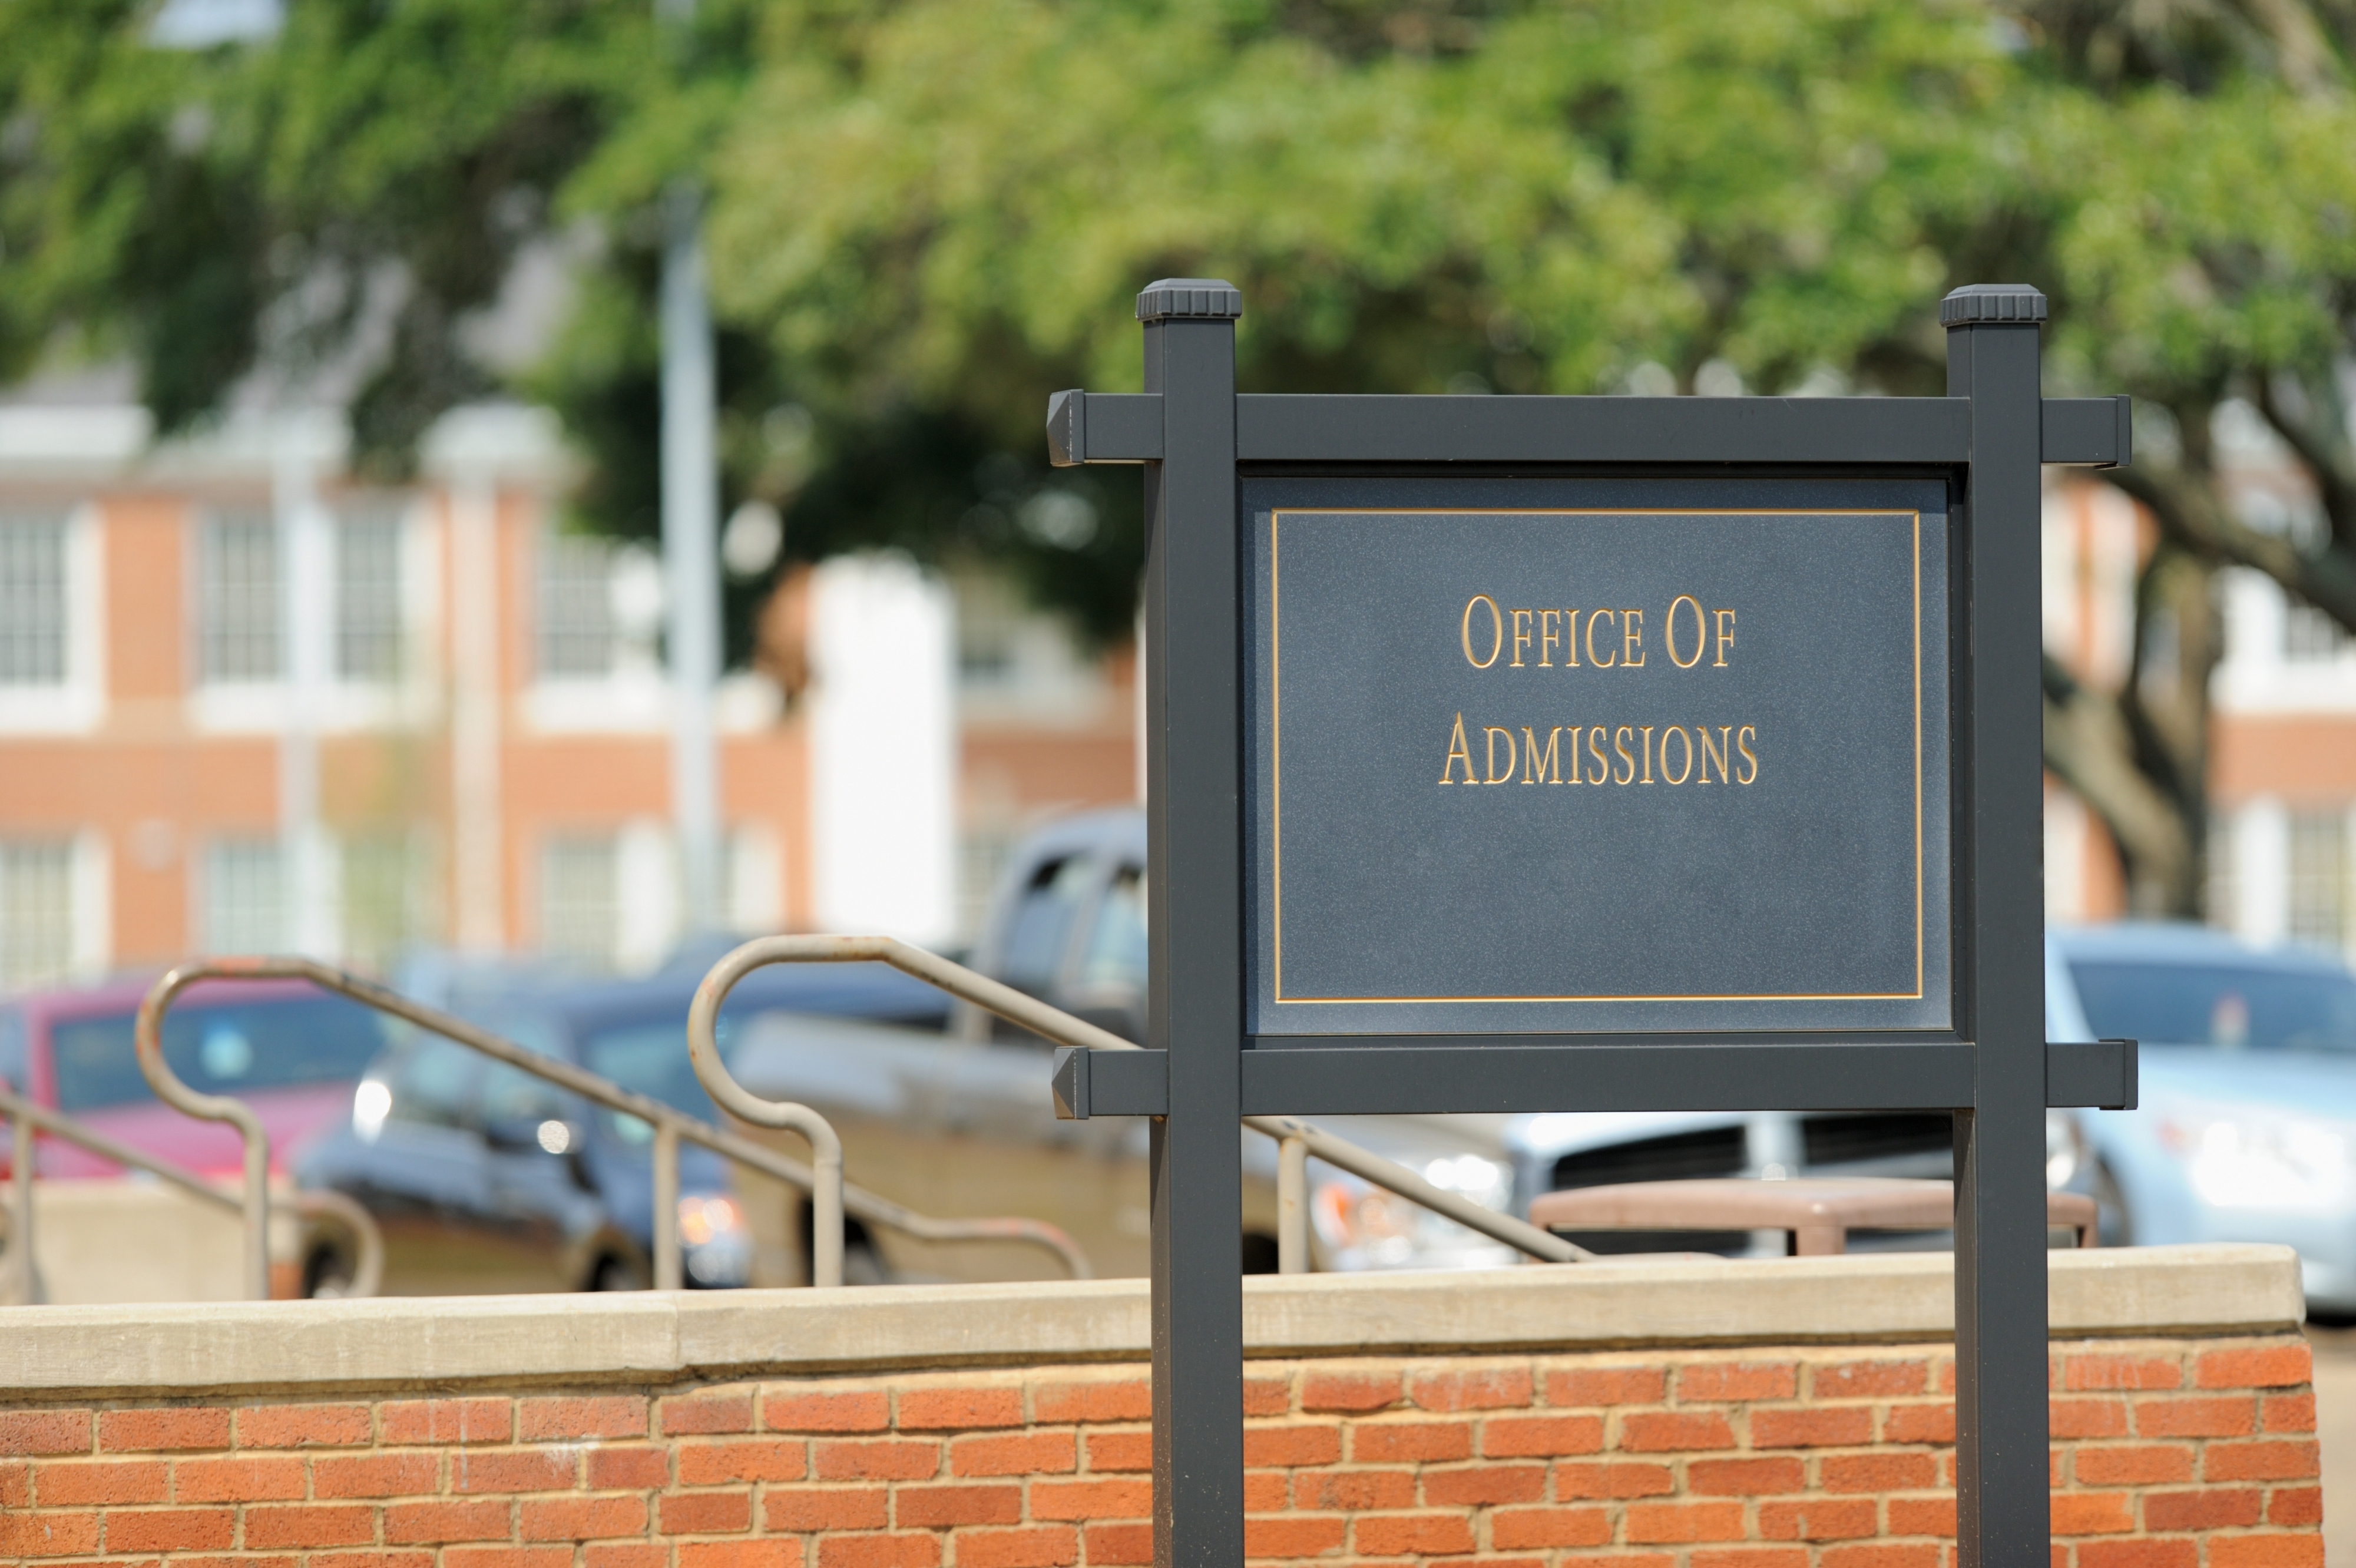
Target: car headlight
x=712, y=1233
x=371, y=1103
x=1365, y=1227
x=2065, y=1149
x=2256, y=1161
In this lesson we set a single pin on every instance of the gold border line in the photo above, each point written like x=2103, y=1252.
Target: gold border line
x=1276, y=758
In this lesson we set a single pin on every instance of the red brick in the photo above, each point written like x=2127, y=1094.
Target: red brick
x=237, y=1480
x=1421, y=1535
x=1123, y=1499
x=1027, y=1454
x=869, y=1410
x=2093, y=1513
x=45, y=1432
x=938, y=1409
x=1922, y=1516
x=1117, y=1545
x=1268, y=1491
x=1606, y=1385
x=370, y=1559
x=149, y=1429
x=1262, y=1396
x=1666, y=1523
x=505, y=1556
x=2145, y=1553
x=739, y=1555
x=1486, y=1388
x=1045, y=1546
x=1884, y=1472
x=1750, y=1557
x=1288, y=1537
x=1820, y=1518
x=377, y=1475
x=1350, y=1391
x=1743, y=1477
x=1812, y=1426
x=15, y=1484
x=2301, y=1551
x=1296, y=1445
x=930, y=1507
x=1738, y=1381
x=2283, y=1459
x=1610, y=1479
x=1131, y=1450
x=49, y=1534
x=2287, y=1412
x=707, y=1413
x=917, y=1551
x=2121, y=1370
x=2296, y=1506
x=301, y=1425
x=1911, y=1424
x=1880, y=1556
x=878, y=1459
x=105, y=1481
x=573, y=1518
x=2229, y=1415
x=347, y=1524
x=2088, y=1418
x=1868, y=1379
x=631, y=1555
x=349, y=1559
x=169, y=1530
x=605, y=1415
x=1353, y=1490
x=1479, y=1484
x=1666, y=1432
x=2254, y=1367
x=2210, y=1508
x=1540, y=1436
x=484, y=1521
x=448, y=1421
x=1389, y=1441
x=511, y=1470
x=826, y=1508
x=704, y=1513
x=621, y=1469
x=1131, y=1399
x=2139, y=1465
x=717, y=1464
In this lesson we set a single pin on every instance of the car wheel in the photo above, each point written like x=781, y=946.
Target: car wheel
x=327, y=1276
x=616, y=1273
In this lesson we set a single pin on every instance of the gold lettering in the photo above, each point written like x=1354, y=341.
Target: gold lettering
x=1521, y=637
x=1620, y=744
x=1632, y=640
x=1570, y=643
x=1551, y=769
x=1595, y=750
x=1458, y=752
x=1684, y=741
x=1594, y=616
x=1548, y=637
x=1493, y=732
x=1718, y=751
x=1743, y=740
x=1669, y=633
x=1725, y=636
x=1574, y=754
x=1496, y=627
x=1648, y=755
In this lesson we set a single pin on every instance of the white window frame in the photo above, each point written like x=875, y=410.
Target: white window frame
x=631, y=697
x=242, y=706
x=77, y=704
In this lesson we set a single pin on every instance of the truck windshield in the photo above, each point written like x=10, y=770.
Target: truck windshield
x=235, y=1048
x=2228, y=1008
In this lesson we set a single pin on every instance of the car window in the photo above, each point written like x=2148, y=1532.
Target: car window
x=431, y=1082
x=510, y=1093
x=651, y=1059
x=1041, y=929
x=1115, y=954
x=2227, y=1006
x=234, y=1048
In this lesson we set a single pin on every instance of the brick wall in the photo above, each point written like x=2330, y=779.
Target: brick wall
x=2168, y=1453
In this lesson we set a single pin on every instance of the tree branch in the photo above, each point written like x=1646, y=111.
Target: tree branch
x=2088, y=746
x=2191, y=514
x=2335, y=482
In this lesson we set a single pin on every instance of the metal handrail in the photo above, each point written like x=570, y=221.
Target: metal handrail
x=24, y=1116
x=670, y=1125
x=1290, y=1132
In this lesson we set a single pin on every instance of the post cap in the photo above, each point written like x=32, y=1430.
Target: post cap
x=1975, y=302
x=1195, y=299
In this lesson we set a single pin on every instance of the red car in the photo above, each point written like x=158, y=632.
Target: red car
x=289, y=1051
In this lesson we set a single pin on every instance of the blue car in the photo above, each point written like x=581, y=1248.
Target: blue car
x=2247, y=1125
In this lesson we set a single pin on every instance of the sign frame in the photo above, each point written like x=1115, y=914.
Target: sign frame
x=1198, y=440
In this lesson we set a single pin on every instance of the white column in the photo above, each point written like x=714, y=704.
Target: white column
x=883, y=749
x=306, y=651
x=691, y=522
x=646, y=896
x=2262, y=871
x=91, y=906
x=477, y=840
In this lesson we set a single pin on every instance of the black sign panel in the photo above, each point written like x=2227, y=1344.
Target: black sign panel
x=1617, y=754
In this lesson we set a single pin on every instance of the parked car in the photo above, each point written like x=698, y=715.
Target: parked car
x=2246, y=1130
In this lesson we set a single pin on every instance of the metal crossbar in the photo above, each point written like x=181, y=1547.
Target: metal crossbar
x=672, y=1126
x=1296, y=1139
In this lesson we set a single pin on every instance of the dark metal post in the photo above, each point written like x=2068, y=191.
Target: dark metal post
x=2001, y=1329
x=1194, y=781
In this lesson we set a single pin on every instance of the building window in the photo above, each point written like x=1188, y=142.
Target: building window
x=238, y=612
x=244, y=896
x=2311, y=637
x=367, y=596
x=36, y=928
x=2318, y=877
x=32, y=599
x=576, y=606
x=580, y=905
